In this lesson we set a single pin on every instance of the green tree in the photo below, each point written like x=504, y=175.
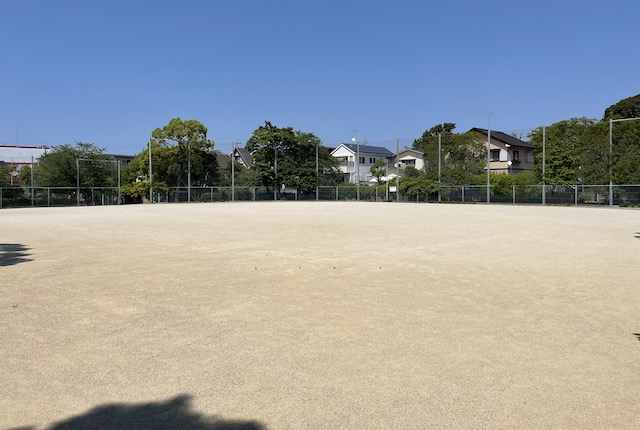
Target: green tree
x=287, y=156
x=416, y=182
x=378, y=170
x=462, y=154
x=625, y=108
x=177, y=143
x=576, y=151
x=5, y=178
x=626, y=140
x=58, y=168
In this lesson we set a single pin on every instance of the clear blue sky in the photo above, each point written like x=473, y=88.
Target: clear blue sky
x=111, y=71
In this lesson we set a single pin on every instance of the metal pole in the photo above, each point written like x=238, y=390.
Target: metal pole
x=439, y=161
x=77, y=182
x=357, y=168
x=275, y=171
x=610, y=162
x=317, y=175
x=233, y=172
x=489, y=160
x=33, y=190
x=189, y=170
x=386, y=182
x=119, y=193
x=397, y=170
x=544, y=183
x=611, y=121
x=150, y=175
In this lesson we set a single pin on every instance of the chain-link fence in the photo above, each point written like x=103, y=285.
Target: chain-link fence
x=58, y=196
x=623, y=195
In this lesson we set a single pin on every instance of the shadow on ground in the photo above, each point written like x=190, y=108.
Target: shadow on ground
x=13, y=253
x=637, y=335
x=638, y=235
x=173, y=414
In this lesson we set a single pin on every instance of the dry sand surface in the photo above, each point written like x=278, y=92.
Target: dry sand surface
x=287, y=315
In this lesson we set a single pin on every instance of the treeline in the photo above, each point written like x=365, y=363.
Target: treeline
x=577, y=151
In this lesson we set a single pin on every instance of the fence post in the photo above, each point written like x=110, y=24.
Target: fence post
x=0, y=197
x=336, y=194
x=462, y=193
x=514, y=194
x=48, y=196
x=253, y=192
x=576, y=195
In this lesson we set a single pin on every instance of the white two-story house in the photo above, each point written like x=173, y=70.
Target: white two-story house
x=356, y=160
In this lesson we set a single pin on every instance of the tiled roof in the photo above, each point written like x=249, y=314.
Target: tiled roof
x=503, y=137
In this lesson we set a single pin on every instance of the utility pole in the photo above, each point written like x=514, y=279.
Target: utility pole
x=544, y=181
x=489, y=160
x=150, y=176
x=233, y=171
x=439, y=162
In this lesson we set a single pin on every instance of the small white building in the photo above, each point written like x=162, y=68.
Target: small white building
x=347, y=154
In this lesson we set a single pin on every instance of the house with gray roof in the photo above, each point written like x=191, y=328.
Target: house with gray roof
x=354, y=168
x=243, y=156
x=508, y=154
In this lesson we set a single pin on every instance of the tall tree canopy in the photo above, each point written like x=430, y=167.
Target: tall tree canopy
x=626, y=140
x=171, y=148
x=462, y=154
x=573, y=153
x=57, y=168
x=625, y=108
x=174, y=144
x=287, y=156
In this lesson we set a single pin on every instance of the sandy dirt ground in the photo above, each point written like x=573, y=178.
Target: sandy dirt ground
x=291, y=315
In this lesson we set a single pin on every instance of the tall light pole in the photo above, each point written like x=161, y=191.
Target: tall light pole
x=397, y=170
x=233, y=172
x=611, y=121
x=439, y=161
x=544, y=160
x=317, y=174
x=275, y=170
x=189, y=170
x=357, y=168
x=489, y=160
x=150, y=176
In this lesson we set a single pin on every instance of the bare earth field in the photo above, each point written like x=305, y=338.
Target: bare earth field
x=292, y=315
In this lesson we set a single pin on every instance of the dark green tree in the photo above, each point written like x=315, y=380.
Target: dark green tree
x=576, y=151
x=416, y=182
x=626, y=140
x=57, y=168
x=378, y=170
x=173, y=145
x=462, y=155
x=284, y=156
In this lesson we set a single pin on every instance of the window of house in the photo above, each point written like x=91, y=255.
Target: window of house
x=372, y=160
x=361, y=160
x=528, y=157
x=495, y=155
x=516, y=156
